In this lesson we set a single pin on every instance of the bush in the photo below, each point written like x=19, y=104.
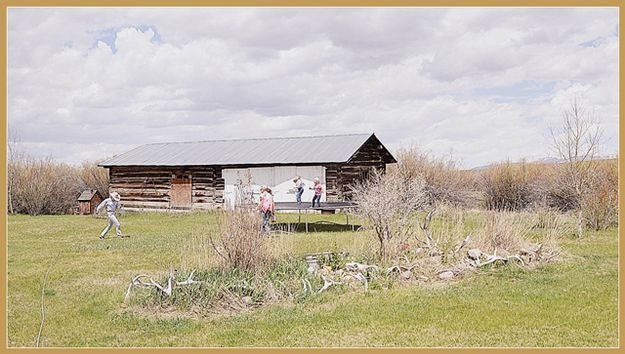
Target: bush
x=242, y=243
x=43, y=186
x=600, y=204
x=507, y=233
x=598, y=199
x=502, y=232
x=94, y=177
x=444, y=182
x=386, y=202
x=510, y=186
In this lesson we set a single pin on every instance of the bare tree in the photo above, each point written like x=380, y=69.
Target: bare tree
x=13, y=159
x=244, y=192
x=577, y=143
x=387, y=202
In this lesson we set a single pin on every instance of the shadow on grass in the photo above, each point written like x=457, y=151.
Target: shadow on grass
x=314, y=227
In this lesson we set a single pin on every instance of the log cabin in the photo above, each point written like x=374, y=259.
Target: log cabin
x=206, y=175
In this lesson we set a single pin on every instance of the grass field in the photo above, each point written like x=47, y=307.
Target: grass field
x=571, y=303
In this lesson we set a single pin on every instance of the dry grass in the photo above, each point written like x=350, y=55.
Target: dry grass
x=199, y=253
x=242, y=243
x=525, y=186
x=450, y=233
x=508, y=233
x=503, y=233
x=454, y=231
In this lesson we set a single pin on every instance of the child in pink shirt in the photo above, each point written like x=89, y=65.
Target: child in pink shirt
x=318, y=191
x=267, y=206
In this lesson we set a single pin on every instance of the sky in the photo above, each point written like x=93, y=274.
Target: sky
x=479, y=84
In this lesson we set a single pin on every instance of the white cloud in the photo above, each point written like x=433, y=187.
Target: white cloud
x=483, y=83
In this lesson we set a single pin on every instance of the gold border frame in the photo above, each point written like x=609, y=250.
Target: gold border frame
x=293, y=3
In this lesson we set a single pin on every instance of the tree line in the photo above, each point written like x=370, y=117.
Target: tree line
x=37, y=186
x=579, y=183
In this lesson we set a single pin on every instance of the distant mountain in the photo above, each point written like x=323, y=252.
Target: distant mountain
x=544, y=160
x=549, y=160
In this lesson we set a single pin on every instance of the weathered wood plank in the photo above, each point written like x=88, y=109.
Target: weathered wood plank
x=136, y=188
x=146, y=204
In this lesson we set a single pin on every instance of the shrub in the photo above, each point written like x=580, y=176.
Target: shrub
x=507, y=233
x=43, y=186
x=509, y=186
x=94, y=177
x=577, y=143
x=242, y=244
x=557, y=194
x=443, y=181
x=600, y=203
x=386, y=202
x=502, y=232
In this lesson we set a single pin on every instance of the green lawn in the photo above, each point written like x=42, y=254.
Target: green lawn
x=570, y=303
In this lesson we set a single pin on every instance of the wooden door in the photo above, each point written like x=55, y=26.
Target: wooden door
x=84, y=208
x=181, y=193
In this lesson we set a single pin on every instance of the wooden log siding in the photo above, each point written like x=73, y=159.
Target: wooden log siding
x=333, y=190
x=341, y=177
x=203, y=189
x=144, y=187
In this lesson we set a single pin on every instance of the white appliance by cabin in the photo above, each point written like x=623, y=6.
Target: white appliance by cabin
x=278, y=178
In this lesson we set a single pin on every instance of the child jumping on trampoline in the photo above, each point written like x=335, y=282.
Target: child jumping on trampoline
x=299, y=187
x=318, y=191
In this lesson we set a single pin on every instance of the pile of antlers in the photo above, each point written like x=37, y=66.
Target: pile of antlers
x=475, y=258
x=360, y=272
x=138, y=281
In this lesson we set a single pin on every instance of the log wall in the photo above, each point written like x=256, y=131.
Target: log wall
x=150, y=187
x=341, y=177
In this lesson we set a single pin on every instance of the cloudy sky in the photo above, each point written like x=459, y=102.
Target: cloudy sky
x=482, y=84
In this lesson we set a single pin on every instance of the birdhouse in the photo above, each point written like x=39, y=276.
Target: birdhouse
x=88, y=201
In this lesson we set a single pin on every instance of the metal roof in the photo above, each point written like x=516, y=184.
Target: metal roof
x=87, y=195
x=292, y=150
